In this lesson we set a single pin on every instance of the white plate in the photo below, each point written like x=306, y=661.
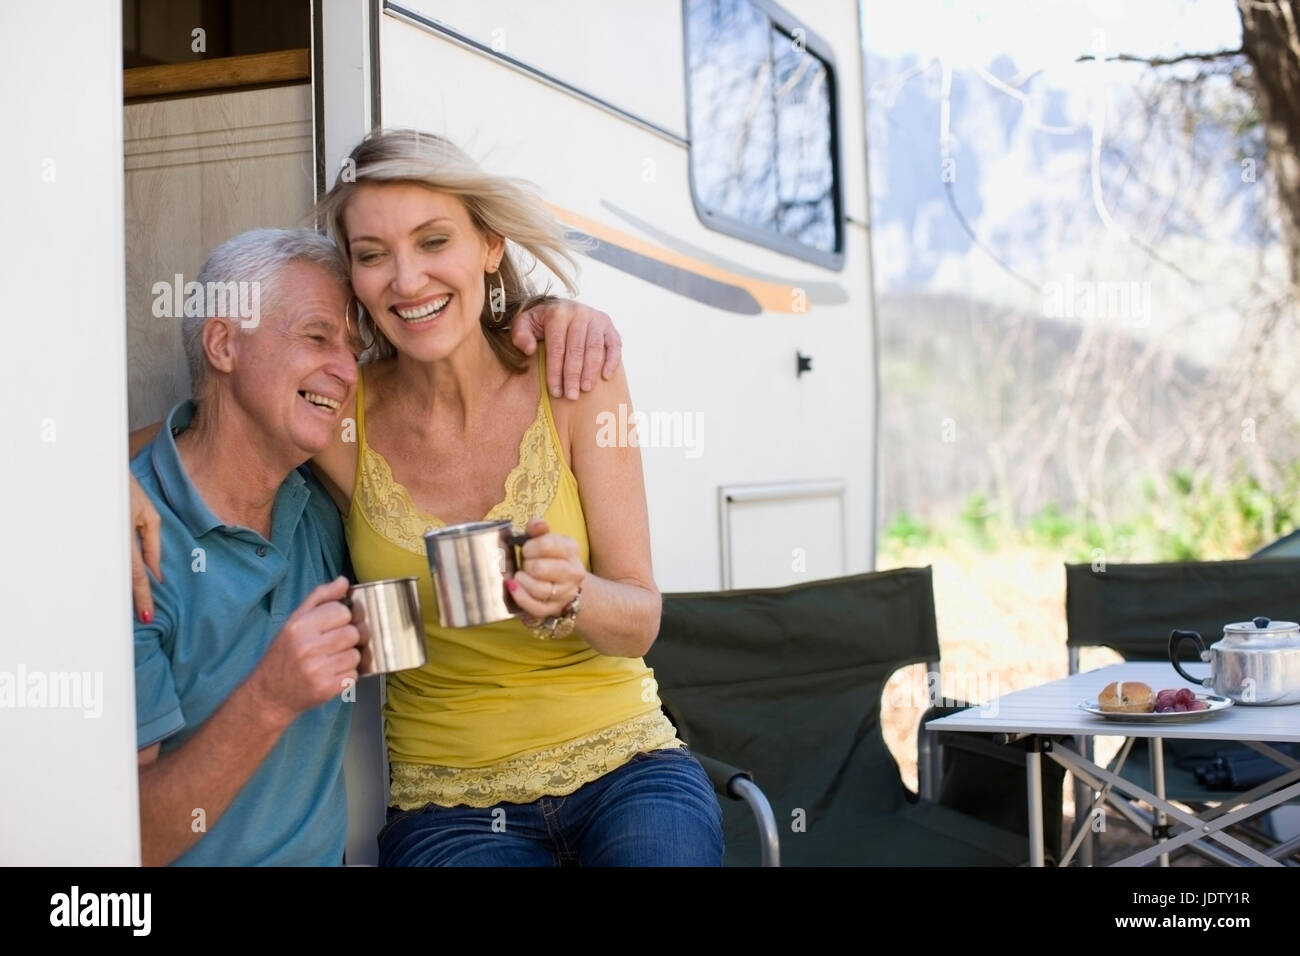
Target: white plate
x=1169, y=717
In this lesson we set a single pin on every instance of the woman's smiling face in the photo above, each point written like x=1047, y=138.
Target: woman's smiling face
x=418, y=265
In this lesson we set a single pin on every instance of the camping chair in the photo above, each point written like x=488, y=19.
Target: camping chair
x=787, y=683
x=1131, y=608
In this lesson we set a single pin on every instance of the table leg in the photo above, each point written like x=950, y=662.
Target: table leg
x=1083, y=797
x=1034, y=768
x=1089, y=803
x=1157, y=755
x=1251, y=803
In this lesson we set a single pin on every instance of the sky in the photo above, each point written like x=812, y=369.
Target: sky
x=1047, y=34
x=1025, y=188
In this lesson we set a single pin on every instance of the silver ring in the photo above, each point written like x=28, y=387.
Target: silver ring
x=552, y=596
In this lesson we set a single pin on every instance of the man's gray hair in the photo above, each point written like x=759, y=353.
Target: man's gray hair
x=255, y=256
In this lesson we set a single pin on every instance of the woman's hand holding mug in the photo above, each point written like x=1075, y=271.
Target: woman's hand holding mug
x=552, y=574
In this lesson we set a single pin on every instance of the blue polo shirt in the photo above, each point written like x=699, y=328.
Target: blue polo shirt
x=226, y=591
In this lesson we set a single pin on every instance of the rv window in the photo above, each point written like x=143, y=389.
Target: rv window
x=762, y=130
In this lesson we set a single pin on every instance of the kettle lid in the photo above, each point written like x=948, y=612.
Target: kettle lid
x=1260, y=626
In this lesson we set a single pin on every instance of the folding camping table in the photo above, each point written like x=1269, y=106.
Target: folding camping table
x=1041, y=715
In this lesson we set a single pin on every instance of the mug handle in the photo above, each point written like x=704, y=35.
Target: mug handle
x=1175, y=639
x=363, y=632
x=517, y=540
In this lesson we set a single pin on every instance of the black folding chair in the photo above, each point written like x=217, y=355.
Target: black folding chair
x=786, y=683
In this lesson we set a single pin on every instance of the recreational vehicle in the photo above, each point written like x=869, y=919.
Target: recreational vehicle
x=709, y=155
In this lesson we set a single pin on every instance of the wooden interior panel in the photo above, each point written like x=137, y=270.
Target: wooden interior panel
x=198, y=171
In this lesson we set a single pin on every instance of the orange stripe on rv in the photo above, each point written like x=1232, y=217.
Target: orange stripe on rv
x=771, y=296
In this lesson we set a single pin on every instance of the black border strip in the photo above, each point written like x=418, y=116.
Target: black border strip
x=376, y=114
x=701, y=288
x=318, y=97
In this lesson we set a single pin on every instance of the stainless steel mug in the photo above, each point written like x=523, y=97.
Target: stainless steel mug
x=387, y=614
x=471, y=564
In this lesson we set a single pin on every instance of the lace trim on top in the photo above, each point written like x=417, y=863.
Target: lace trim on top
x=550, y=772
x=530, y=488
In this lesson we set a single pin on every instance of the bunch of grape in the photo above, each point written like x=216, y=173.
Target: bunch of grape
x=1178, y=701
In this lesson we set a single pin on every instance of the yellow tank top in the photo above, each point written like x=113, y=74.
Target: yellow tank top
x=497, y=715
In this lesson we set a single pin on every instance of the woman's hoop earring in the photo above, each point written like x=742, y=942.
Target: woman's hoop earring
x=347, y=319
x=354, y=335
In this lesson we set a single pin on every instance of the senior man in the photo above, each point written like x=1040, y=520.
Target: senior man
x=245, y=656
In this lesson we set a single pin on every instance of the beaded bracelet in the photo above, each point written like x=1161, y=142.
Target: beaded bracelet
x=556, y=626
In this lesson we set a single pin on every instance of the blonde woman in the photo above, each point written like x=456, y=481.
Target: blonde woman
x=533, y=742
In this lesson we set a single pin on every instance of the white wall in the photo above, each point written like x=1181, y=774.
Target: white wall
x=69, y=792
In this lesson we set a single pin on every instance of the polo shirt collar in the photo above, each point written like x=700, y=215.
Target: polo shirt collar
x=185, y=500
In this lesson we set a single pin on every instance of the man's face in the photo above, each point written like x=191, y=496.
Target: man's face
x=294, y=373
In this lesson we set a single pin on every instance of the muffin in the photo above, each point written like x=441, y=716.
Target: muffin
x=1127, y=697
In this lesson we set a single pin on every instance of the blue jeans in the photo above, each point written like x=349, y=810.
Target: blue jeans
x=658, y=809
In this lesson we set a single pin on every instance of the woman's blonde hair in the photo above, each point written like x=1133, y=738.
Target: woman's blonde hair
x=497, y=205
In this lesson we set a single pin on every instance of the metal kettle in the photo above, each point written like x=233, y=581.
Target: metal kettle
x=1257, y=662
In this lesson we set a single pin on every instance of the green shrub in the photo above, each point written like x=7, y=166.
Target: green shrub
x=978, y=519
x=1051, y=528
x=906, y=531
x=1185, y=518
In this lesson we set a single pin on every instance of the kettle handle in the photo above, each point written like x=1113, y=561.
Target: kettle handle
x=1175, y=639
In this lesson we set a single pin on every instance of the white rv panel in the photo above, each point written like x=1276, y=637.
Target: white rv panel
x=629, y=54
x=67, y=690
x=774, y=535
x=341, y=77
